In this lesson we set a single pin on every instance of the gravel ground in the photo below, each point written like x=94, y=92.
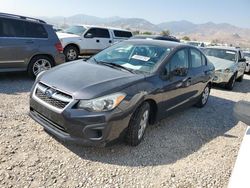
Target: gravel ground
x=194, y=148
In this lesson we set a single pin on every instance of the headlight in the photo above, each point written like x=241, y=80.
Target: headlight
x=220, y=70
x=101, y=104
x=228, y=70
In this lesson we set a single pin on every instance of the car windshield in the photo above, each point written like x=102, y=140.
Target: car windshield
x=221, y=53
x=140, y=58
x=77, y=30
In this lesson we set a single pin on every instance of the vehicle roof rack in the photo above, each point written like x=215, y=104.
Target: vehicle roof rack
x=22, y=17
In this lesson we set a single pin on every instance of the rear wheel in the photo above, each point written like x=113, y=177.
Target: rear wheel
x=138, y=124
x=204, y=97
x=230, y=84
x=38, y=64
x=71, y=53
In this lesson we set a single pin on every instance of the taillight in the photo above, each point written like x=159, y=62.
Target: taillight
x=59, y=47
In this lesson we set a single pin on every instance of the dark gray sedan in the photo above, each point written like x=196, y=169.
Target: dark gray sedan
x=119, y=91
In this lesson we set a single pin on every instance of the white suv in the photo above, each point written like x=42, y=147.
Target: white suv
x=88, y=40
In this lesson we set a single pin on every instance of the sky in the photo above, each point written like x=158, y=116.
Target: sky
x=235, y=12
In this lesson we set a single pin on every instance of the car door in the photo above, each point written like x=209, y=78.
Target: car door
x=200, y=75
x=95, y=40
x=177, y=87
x=240, y=64
x=16, y=47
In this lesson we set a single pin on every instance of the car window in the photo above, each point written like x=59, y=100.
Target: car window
x=125, y=34
x=34, y=30
x=221, y=53
x=178, y=64
x=196, y=60
x=99, y=33
x=11, y=28
x=204, y=60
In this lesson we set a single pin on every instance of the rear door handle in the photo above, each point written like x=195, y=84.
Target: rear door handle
x=97, y=40
x=110, y=41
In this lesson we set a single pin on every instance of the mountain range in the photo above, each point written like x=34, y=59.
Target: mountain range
x=222, y=32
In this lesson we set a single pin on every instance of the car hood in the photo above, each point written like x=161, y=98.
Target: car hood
x=88, y=80
x=220, y=63
x=66, y=35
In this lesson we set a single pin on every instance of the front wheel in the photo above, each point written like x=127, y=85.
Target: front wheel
x=230, y=84
x=138, y=124
x=204, y=97
x=240, y=79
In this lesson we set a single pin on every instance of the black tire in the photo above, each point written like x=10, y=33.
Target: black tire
x=240, y=79
x=230, y=84
x=204, y=97
x=71, y=53
x=34, y=70
x=134, y=127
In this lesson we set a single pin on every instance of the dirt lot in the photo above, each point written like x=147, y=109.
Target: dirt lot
x=194, y=148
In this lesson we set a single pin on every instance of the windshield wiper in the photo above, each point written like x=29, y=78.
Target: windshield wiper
x=113, y=65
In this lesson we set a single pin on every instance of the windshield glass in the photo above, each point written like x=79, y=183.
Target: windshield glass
x=77, y=30
x=221, y=53
x=247, y=54
x=137, y=57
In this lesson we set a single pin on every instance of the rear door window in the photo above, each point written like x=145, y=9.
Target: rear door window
x=124, y=34
x=11, y=28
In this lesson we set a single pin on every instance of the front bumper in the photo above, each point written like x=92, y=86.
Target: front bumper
x=222, y=77
x=79, y=126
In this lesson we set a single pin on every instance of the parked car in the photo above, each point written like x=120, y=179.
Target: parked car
x=156, y=37
x=196, y=43
x=28, y=44
x=116, y=93
x=229, y=65
x=88, y=40
x=247, y=57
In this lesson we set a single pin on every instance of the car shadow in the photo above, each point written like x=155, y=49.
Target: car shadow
x=13, y=83
x=172, y=139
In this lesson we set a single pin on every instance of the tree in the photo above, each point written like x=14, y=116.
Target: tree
x=165, y=33
x=137, y=32
x=147, y=33
x=186, y=38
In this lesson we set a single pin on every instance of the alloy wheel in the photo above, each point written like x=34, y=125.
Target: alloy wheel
x=143, y=124
x=41, y=65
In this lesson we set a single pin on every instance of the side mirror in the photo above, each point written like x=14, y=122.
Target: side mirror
x=242, y=111
x=88, y=36
x=242, y=60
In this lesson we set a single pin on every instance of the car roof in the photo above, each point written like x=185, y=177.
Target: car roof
x=23, y=18
x=98, y=26
x=224, y=48
x=163, y=43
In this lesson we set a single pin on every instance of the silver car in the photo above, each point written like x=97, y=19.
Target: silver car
x=229, y=65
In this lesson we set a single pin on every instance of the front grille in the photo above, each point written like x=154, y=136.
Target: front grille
x=52, y=96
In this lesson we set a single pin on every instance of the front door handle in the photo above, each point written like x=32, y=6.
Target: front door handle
x=97, y=41
x=110, y=41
